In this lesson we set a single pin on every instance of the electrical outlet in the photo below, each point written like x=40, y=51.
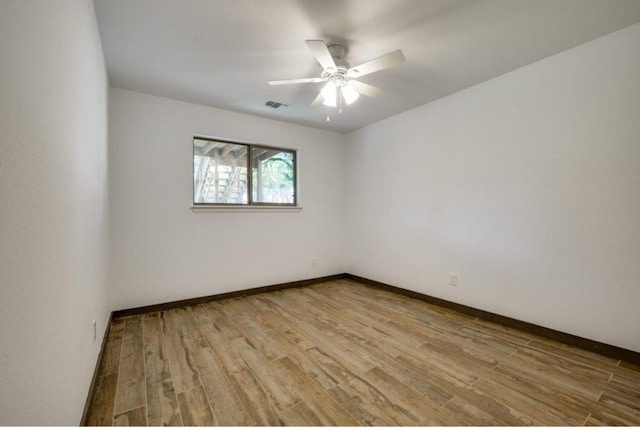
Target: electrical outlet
x=453, y=279
x=95, y=332
x=314, y=262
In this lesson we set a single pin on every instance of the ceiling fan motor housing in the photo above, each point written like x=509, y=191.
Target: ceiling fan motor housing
x=337, y=51
x=339, y=75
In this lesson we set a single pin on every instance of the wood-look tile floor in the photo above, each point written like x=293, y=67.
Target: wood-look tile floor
x=344, y=353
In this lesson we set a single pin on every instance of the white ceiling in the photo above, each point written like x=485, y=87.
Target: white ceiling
x=221, y=53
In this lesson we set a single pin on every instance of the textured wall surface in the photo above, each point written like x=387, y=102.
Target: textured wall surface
x=527, y=186
x=53, y=197
x=162, y=251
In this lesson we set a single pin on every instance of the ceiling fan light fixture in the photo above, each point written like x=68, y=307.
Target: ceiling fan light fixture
x=349, y=94
x=329, y=93
x=342, y=88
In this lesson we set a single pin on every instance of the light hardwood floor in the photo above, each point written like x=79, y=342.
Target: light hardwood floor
x=344, y=353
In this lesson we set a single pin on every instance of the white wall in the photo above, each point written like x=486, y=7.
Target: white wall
x=527, y=186
x=53, y=189
x=162, y=251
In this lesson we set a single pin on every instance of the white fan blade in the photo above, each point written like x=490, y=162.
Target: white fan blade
x=365, y=89
x=319, y=100
x=295, y=81
x=377, y=64
x=320, y=51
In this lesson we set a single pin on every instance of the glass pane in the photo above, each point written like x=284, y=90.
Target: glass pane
x=272, y=175
x=219, y=172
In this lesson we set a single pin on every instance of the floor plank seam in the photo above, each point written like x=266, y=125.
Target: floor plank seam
x=129, y=410
x=450, y=399
x=144, y=367
x=473, y=382
x=211, y=406
x=118, y=378
x=168, y=362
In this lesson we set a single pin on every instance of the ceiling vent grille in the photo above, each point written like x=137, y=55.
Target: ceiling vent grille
x=274, y=104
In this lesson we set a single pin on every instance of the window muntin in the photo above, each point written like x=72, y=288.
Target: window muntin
x=220, y=174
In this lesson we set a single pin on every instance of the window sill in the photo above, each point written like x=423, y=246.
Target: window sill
x=204, y=209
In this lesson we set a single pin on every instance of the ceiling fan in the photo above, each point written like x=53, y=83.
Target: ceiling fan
x=342, y=85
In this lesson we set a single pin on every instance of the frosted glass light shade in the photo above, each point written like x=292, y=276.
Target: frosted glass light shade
x=350, y=95
x=329, y=93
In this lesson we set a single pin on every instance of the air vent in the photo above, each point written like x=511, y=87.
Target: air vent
x=274, y=104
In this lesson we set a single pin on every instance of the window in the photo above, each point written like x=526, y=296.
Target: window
x=221, y=174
